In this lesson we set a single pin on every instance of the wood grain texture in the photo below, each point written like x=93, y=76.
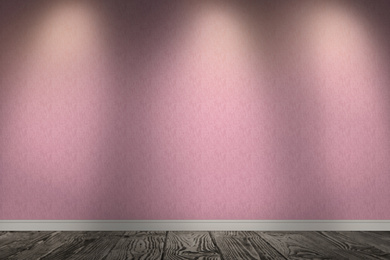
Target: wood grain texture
x=43, y=248
x=99, y=248
x=376, y=240
x=76, y=241
x=138, y=245
x=262, y=247
x=385, y=234
x=349, y=247
x=234, y=245
x=299, y=245
x=21, y=241
x=216, y=245
x=190, y=245
x=8, y=237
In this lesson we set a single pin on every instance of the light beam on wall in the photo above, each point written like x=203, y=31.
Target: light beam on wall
x=350, y=81
x=194, y=110
x=205, y=119
x=55, y=124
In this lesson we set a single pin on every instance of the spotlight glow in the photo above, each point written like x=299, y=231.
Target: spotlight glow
x=68, y=31
x=220, y=35
x=347, y=64
x=57, y=109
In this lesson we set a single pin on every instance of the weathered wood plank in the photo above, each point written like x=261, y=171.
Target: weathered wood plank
x=21, y=241
x=8, y=237
x=45, y=247
x=234, y=245
x=381, y=233
x=99, y=248
x=12, y=236
x=263, y=249
x=195, y=245
x=299, y=245
x=190, y=245
x=138, y=245
x=76, y=242
x=370, y=238
x=384, y=235
x=348, y=246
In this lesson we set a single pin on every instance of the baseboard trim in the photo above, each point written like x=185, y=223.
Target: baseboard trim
x=194, y=225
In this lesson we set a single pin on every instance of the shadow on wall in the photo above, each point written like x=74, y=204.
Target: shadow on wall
x=194, y=110
x=296, y=111
x=141, y=35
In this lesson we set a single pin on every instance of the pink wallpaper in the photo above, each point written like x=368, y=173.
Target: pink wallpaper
x=194, y=110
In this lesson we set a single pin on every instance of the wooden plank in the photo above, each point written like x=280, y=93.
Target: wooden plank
x=377, y=241
x=21, y=241
x=195, y=245
x=8, y=237
x=350, y=247
x=263, y=249
x=190, y=245
x=12, y=236
x=234, y=245
x=45, y=247
x=98, y=248
x=299, y=245
x=383, y=235
x=77, y=241
x=139, y=245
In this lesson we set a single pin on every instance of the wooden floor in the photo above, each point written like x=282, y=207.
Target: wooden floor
x=195, y=245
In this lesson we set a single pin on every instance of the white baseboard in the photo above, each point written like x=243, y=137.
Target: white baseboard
x=194, y=225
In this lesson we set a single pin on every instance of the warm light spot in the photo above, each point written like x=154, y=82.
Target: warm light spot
x=354, y=112
x=67, y=31
x=61, y=93
x=339, y=37
x=345, y=60
x=220, y=35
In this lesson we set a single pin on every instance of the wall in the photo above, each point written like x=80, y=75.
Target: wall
x=194, y=110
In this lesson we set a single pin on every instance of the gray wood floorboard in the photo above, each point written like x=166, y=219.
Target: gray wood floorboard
x=262, y=247
x=77, y=242
x=349, y=246
x=8, y=237
x=299, y=245
x=190, y=245
x=21, y=242
x=99, y=248
x=45, y=247
x=138, y=245
x=383, y=236
x=369, y=238
x=235, y=245
x=205, y=245
x=252, y=242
